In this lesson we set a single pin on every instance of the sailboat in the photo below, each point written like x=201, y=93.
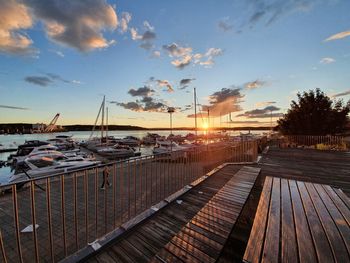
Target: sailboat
x=103, y=145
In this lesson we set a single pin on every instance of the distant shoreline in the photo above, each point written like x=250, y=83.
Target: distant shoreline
x=11, y=128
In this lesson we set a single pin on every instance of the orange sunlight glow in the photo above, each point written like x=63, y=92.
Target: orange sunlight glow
x=205, y=126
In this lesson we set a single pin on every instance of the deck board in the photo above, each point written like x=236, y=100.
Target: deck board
x=313, y=219
x=209, y=224
x=156, y=233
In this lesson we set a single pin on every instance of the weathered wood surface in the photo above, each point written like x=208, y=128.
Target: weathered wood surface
x=194, y=230
x=299, y=222
x=323, y=167
x=230, y=198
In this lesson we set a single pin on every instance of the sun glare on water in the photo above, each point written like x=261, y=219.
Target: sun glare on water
x=205, y=126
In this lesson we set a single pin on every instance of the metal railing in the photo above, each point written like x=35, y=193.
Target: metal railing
x=68, y=211
x=314, y=141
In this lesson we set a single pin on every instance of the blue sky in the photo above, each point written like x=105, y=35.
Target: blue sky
x=245, y=57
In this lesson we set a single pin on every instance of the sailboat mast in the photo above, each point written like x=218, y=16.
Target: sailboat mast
x=195, y=111
x=98, y=115
x=103, y=117
x=107, y=125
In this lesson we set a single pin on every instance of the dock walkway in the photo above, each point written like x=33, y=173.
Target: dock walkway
x=195, y=228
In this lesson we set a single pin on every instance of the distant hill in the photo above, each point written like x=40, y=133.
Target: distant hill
x=110, y=127
x=27, y=127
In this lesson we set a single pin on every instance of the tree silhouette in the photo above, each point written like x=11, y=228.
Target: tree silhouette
x=314, y=114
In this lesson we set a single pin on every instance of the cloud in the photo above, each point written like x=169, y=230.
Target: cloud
x=48, y=79
x=165, y=83
x=224, y=102
x=58, y=53
x=209, y=55
x=224, y=94
x=13, y=107
x=264, y=103
x=148, y=26
x=243, y=122
x=134, y=34
x=266, y=112
x=146, y=38
x=254, y=84
x=14, y=18
x=124, y=21
x=341, y=94
x=146, y=45
x=148, y=35
x=155, y=54
x=327, y=60
x=269, y=11
x=224, y=25
x=134, y=106
x=76, y=24
x=39, y=80
x=144, y=91
x=146, y=104
x=183, y=62
x=213, y=52
x=183, y=56
x=338, y=36
x=185, y=82
x=174, y=50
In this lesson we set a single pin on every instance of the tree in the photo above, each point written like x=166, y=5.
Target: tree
x=314, y=114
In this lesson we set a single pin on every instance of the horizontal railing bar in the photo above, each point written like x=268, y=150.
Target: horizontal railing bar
x=131, y=160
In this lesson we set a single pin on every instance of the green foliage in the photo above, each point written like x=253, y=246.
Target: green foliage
x=314, y=114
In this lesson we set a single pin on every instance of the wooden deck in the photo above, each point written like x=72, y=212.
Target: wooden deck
x=300, y=222
x=187, y=231
x=324, y=167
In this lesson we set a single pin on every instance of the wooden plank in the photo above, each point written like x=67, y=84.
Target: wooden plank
x=133, y=252
x=204, y=232
x=338, y=202
x=192, y=250
x=181, y=253
x=322, y=247
x=343, y=197
x=271, y=246
x=256, y=240
x=338, y=218
x=289, y=250
x=336, y=242
x=202, y=238
x=165, y=256
x=305, y=245
x=199, y=244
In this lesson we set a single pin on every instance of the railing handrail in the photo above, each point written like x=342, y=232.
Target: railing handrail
x=116, y=162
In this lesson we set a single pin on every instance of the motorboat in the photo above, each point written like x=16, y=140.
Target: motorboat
x=39, y=166
x=117, y=151
x=27, y=148
x=130, y=141
x=166, y=147
x=9, y=148
x=63, y=142
x=150, y=138
x=176, y=138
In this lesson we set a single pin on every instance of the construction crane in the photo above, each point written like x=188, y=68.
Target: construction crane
x=52, y=126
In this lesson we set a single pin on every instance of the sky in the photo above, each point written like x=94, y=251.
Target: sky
x=246, y=59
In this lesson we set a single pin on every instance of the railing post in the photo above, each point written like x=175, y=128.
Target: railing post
x=63, y=216
x=16, y=219
x=4, y=258
x=49, y=218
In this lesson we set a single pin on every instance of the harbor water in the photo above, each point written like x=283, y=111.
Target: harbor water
x=18, y=139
